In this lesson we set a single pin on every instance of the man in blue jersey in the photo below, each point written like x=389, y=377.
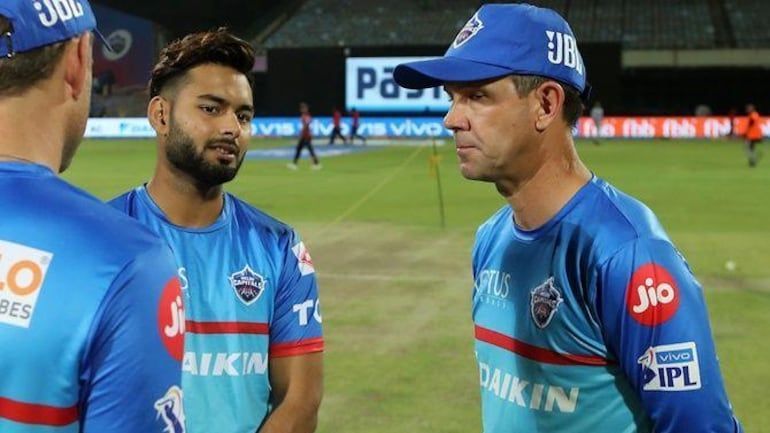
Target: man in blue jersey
x=587, y=318
x=90, y=305
x=253, y=358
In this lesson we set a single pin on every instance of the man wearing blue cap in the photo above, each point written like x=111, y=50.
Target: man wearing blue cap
x=587, y=318
x=91, y=318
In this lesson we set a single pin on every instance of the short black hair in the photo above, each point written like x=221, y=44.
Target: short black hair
x=217, y=46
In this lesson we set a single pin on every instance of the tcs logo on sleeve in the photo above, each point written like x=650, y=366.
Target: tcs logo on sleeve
x=22, y=273
x=171, y=319
x=652, y=296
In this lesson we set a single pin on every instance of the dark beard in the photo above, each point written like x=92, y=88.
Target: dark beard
x=181, y=153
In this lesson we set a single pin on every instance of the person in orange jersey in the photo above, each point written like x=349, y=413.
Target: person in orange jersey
x=753, y=135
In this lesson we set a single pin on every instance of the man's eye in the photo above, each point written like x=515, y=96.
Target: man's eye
x=477, y=95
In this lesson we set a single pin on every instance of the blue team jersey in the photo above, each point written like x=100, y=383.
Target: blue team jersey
x=86, y=301
x=592, y=323
x=250, y=294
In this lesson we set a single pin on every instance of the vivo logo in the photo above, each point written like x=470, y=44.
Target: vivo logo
x=674, y=357
x=53, y=11
x=562, y=50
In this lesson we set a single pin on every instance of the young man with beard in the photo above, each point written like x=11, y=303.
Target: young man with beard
x=89, y=299
x=253, y=358
x=587, y=318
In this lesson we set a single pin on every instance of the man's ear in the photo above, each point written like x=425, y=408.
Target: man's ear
x=549, y=98
x=78, y=66
x=158, y=113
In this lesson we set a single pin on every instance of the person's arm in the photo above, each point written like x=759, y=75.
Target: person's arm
x=131, y=370
x=297, y=387
x=296, y=343
x=656, y=324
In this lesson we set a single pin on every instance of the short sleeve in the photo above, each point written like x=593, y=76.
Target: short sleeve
x=296, y=325
x=131, y=371
x=655, y=321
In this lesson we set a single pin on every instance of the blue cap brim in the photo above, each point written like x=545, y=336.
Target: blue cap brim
x=435, y=72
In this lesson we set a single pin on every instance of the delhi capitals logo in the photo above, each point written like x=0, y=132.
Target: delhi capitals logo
x=468, y=31
x=169, y=408
x=544, y=301
x=248, y=285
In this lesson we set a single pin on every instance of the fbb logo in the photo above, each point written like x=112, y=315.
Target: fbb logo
x=22, y=273
x=652, y=296
x=171, y=319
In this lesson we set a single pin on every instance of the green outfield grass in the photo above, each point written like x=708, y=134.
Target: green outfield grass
x=395, y=286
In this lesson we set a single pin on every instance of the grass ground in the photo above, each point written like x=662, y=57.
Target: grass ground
x=396, y=286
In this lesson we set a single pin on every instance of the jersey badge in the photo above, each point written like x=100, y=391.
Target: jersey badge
x=22, y=273
x=671, y=367
x=169, y=408
x=303, y=257
x=248, y=285
x=544, y=302
x=652, y=296
x=468, y=31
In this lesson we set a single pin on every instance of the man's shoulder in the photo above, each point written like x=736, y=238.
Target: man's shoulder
x=503, y=214
x=619, y=218
x=84, y=220
x=108, y=224
x=250, y=216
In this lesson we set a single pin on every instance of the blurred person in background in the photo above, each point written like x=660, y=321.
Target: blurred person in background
x=90, y=307
x=336, y=131
x=305, y=138
x=587, y=318
x=753, y=135
x=253, y=354
x=355, y=122
x=597, y=115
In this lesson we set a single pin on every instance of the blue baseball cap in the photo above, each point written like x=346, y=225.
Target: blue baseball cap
x=36, y=23
x=500, y=40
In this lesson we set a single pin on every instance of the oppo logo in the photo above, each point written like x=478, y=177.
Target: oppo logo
x=53, y=11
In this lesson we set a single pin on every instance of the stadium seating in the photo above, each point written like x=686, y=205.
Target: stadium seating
x=648, y=24
x=749, y=22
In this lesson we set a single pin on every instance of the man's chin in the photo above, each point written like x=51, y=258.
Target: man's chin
x=470, y=173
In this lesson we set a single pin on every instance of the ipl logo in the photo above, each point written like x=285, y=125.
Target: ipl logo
x=169, y=408
x=468, y=31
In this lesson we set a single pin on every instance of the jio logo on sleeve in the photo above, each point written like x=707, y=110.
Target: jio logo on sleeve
x=652, y=296
x=171, y=319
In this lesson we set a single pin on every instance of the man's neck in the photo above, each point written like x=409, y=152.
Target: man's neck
x=24, y=136
x=183, y=202
x=538, y=197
